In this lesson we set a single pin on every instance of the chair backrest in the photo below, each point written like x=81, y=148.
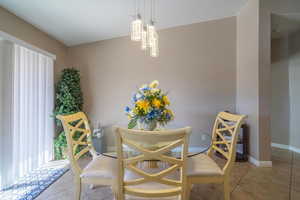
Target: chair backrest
x=133, y=139
x=225, y=136
x=78, y=135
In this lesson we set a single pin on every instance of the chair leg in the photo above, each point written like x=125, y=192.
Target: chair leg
x=188, y=191
x=226, y=189
x=115, y=192
x=120, y=196
x=77, y=188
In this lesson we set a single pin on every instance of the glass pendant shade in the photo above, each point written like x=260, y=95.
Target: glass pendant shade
x=154, y=50
x=136, y=29
x=144, y=39
x=151, y=34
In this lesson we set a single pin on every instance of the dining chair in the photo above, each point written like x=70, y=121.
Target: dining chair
x=202, y=168
x=144, y=183
x=100, y=170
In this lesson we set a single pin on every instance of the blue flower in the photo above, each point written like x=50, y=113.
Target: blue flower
x=145, y=88
x=134, y=99
x=153, y=114
x=127, y=109
x=168, y=116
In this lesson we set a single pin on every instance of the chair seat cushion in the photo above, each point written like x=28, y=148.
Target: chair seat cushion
x=203, y=165
x=150, y=186
x=100, y=167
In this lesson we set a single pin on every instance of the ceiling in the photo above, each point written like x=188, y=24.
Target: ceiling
x=285, y=24
x=75, y=22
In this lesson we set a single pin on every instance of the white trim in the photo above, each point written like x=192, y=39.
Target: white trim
x=286, y=147
x=294, y=149
x=260, y=163
x=280, y=146
x=13, y=39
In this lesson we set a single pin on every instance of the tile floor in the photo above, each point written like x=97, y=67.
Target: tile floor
x=281, y=182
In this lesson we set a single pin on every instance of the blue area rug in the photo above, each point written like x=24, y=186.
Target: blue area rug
x=34, y=183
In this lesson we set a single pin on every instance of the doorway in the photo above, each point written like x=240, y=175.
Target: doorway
x=285, y=76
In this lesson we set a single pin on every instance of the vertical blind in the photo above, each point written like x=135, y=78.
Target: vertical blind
x=32, y=127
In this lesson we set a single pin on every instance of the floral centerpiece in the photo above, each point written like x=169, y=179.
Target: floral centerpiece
x=150, y=108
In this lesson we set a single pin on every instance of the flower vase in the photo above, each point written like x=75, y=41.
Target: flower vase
x=150, y=126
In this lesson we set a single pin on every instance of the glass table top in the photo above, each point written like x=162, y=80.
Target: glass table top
x=199, y=144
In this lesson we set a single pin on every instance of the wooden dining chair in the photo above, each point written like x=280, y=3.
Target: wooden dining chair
x=100, y=170
x=202, y=168
x=146, y=184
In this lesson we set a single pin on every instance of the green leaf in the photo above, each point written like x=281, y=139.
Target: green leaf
x=132, y=123
x=68, y=100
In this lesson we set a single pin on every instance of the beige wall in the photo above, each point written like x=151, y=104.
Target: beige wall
x=20, y=29
x=294, y=68
x=280, y=104
x=197, y=65
x=264, y=83
x=248, y=71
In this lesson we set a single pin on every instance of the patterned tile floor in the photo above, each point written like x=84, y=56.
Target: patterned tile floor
x=31, y=185
x=281, y=182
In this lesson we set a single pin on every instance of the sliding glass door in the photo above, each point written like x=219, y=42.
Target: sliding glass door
x=31, y=127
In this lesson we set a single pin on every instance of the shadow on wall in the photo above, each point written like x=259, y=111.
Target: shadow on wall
x=285, y=60
x=294, y=68
x=294, y=41
x=280, y=101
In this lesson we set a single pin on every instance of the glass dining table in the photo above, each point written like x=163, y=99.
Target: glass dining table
x=199, y=143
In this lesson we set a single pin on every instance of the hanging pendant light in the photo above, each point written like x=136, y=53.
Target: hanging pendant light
x=147, y=34
x=136, y=25
x=136, y=29
x=151, y=32
x=144, y=39
x=154, y=50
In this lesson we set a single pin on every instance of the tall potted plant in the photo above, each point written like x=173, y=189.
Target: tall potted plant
x=68, y=100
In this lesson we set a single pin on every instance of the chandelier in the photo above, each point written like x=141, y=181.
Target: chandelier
x=143, y=32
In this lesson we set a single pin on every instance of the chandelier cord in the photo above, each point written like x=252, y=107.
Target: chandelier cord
x=145, y=11
x=153, y=11
x=136, y=8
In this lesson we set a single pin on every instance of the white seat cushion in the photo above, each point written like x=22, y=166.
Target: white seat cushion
x=202, y=165
x=100, y=167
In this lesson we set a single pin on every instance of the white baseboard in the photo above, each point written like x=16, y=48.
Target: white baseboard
x=286, y=147
x=280, y=146
x=294, y=149
x=259, y=163
x=269, y=163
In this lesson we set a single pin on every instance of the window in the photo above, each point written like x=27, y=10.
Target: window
x=27, y=141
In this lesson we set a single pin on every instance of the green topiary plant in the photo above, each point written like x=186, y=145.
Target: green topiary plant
x=68, y=100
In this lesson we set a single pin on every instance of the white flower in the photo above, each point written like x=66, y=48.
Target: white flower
x=154, y=84
x=138, y=96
